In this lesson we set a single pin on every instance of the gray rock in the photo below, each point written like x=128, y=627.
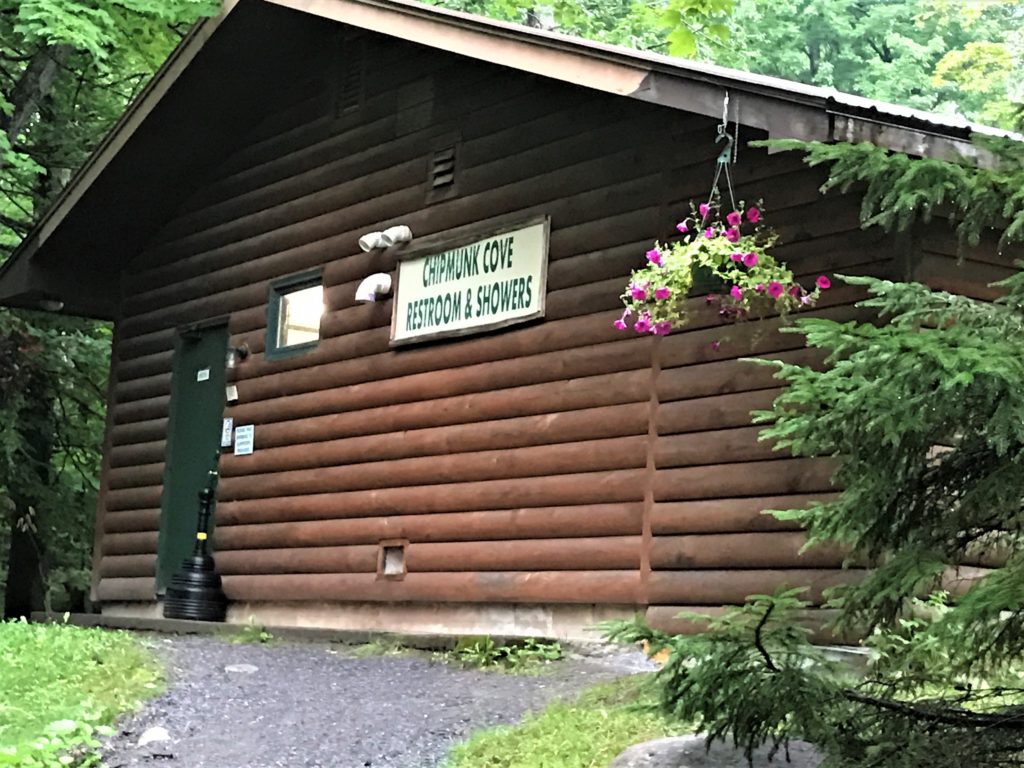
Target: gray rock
x=153, y=735
x=244, y=669
x=691, y=752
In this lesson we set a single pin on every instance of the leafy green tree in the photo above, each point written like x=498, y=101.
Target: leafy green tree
x=910, y=52
x=924, y=414
x=67, y=71
x=684, y=27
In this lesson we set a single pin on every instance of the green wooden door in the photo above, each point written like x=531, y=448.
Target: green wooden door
x=193, y=441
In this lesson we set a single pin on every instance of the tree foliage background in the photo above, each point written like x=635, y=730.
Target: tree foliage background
x=923, y=412
x=943, y=55
x=67, y=71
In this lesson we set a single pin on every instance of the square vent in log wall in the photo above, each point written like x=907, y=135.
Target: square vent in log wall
x=442, y=169
x=351, y=86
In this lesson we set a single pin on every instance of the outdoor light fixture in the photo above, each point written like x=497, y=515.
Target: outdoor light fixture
x=236, y=355
x=371, y=241
x=394, y=235
x=374, y=287
x=389, y=237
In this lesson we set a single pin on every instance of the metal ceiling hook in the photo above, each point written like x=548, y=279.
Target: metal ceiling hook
x=726, y=153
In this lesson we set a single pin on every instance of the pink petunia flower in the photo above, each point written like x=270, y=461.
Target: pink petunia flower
x=716, y=345
x=682, y=227
x=753, y=215
x=736, y=293
x=774, y=289
x=759, y=288
x=620, y=324
x=654, y=257
x=823, y=282
x=734, y=219
x=711, y=298
x=805, y=299
x=750, y=259
x=662, y=293
x=736, y=256
x=794, y=290
x=709, y=233
x=638, y=292
x=643, y=324
x=704, y=208
x=662, y=328
x=732, y=235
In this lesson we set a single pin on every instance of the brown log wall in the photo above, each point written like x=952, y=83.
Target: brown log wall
x=562, y=461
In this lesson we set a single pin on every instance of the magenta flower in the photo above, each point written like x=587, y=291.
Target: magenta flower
x=759, y=288
x=805, y=299
x=620, y=324
x=736, y=293
x=682, y=227
x=654, y=257
x=709, y=233
x=753, y=215
x=774, y=289
x=823, y=282
x=643, y=324
x=638, y=292
x=750, y=259
x=711, y=298
x=794, y=290
x=736, y=256
x=716, y=345
x=732, y=235
x=703, y=208
x=662, y=328
x=734, y=219
x=662, y=293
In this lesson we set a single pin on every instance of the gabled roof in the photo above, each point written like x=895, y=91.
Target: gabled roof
x=213, y=80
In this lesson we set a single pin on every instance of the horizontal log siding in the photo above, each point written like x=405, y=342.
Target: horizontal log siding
x=711, y=541
x=542, y=464
x=501, y=455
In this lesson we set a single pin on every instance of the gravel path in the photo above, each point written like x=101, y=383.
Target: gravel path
x=317, y=706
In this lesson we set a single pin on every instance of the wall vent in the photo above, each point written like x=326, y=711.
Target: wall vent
x=391, y=560
x=442, y=169
x=350, y=92
x=351, y=84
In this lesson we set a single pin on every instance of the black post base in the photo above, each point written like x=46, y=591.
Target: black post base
x=195, y=592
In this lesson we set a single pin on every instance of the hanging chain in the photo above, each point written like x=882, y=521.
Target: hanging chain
x=725, y=157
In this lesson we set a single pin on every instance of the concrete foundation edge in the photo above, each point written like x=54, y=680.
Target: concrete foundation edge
x=358, y=622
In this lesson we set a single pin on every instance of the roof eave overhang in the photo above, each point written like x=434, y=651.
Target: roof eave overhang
x=22, y=280
x=777, y=107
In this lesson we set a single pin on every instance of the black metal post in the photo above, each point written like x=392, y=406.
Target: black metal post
x=195, y=591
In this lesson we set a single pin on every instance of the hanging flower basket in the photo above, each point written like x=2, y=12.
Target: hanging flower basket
x=730, y=253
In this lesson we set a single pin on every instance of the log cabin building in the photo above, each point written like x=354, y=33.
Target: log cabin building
x=478, y=450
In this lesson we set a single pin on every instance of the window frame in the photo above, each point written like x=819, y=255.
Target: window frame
x=276, y=293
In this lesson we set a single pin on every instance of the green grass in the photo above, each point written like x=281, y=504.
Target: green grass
x=57, y=682
x=585, y=733
x=384, y=646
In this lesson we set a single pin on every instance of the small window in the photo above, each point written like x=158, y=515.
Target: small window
x=293, y=315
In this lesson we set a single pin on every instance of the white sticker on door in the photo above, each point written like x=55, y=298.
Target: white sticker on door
x=203, y=374
x=244, y=438
x=226, y=432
